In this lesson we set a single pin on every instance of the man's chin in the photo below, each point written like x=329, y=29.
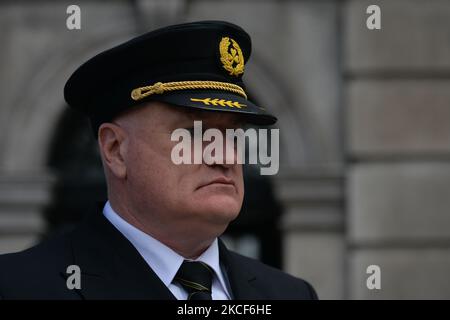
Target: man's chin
x=222, y=209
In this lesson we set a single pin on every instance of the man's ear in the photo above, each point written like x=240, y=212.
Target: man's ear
x=112, y=143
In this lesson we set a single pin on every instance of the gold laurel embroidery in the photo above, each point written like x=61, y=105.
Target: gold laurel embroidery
x=220, y=102
x=231, y=57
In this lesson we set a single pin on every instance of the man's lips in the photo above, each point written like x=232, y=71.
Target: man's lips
x=220, y=180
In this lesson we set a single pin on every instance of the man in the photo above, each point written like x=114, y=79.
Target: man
x=157, y=236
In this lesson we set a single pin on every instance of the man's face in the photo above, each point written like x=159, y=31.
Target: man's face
x=193, y=195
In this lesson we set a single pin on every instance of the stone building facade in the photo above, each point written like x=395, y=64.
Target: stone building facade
x=364, y=118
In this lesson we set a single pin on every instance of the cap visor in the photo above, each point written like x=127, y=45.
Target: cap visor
x=212, y=100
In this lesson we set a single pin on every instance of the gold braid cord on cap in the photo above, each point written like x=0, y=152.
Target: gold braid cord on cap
x=160, y=87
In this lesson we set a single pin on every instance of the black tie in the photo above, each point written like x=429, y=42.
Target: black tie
x=196, y=279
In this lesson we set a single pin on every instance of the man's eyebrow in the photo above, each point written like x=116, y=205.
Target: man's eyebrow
x=204, y=115
x=194, y=114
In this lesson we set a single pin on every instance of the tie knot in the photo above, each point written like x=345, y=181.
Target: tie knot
x=196, y=279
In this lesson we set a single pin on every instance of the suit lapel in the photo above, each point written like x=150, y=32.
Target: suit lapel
x=111, y=268
x=242, y=280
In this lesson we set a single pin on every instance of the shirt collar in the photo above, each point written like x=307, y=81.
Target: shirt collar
x=163, y=260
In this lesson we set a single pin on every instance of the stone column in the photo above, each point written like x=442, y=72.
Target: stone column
x=313, y=228
x=22, y=198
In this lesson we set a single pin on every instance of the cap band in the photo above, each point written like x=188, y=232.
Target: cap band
x=160, y=87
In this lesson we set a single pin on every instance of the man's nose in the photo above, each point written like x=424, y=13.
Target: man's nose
x=226, y=156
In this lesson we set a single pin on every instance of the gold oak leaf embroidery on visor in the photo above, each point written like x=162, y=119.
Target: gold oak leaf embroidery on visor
x=220, y=102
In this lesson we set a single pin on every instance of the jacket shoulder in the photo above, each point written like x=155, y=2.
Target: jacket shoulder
x=35, y=272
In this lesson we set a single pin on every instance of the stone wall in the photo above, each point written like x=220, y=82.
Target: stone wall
x=364, y=126
x=397, y=106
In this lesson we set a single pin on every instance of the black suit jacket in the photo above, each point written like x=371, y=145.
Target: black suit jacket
x=111, y=268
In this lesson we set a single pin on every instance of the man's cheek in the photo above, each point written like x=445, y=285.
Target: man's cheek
x=241, y=193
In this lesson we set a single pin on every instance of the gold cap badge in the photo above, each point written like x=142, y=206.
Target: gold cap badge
x=231, y=56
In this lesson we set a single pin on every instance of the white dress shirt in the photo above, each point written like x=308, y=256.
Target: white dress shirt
x=165, y=262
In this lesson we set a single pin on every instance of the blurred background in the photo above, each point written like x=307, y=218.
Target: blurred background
x=364, y=118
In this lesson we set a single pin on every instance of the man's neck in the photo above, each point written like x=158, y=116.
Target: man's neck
x=186, y=247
